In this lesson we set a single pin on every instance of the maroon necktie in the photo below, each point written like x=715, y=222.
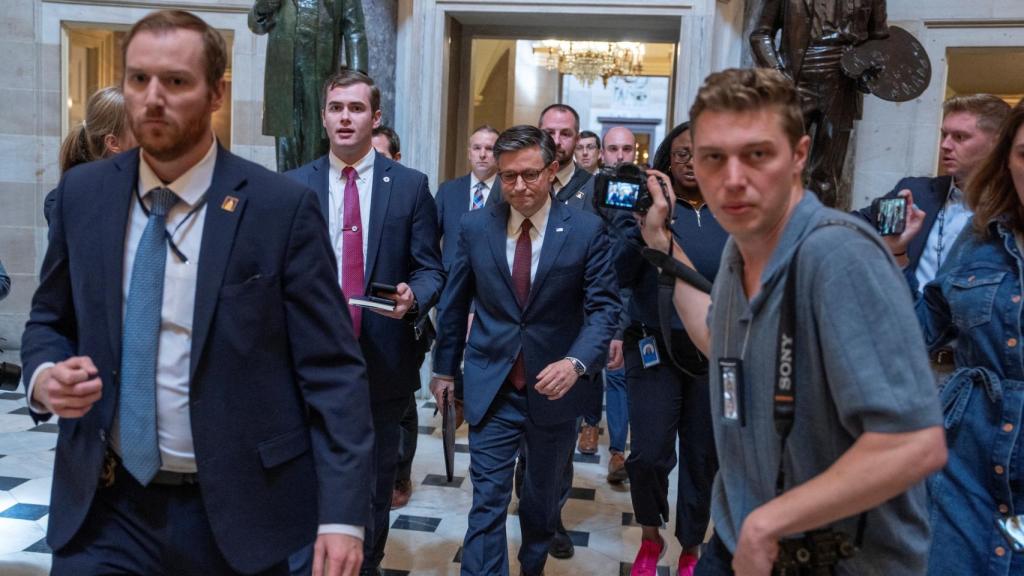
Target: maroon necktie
x=352, y=247
x=521, y=282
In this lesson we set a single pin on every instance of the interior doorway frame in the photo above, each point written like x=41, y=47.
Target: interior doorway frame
x=431, y=39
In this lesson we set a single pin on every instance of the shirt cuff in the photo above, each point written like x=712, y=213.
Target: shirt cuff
x=442, y=377
x=32, y=404
x=357, y=532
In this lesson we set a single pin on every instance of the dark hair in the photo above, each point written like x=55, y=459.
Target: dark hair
x=522, y=137
x=485, y=128
x=561, y=108
x=663, y=157
x=989, y=110
x=589, y=134
x=214, y=50
x=104, y=115
x=394, y=143
x=751, y=89
x=348, y=77
x=990, y=192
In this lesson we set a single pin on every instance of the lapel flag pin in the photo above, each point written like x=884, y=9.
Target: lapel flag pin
x=558, y=229
x=229, y=204
x=387, y=179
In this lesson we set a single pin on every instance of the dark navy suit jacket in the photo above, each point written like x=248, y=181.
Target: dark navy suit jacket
x=402, y=247
x=278, y=395
x=929, y=195
x=452, y=202
x=572, y=309
x=570, y=193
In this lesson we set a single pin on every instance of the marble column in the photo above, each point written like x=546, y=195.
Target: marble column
x=382, y=36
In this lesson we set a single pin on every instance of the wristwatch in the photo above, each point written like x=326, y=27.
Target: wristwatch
x=578, y=366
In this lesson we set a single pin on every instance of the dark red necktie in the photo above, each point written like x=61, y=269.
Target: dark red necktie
x=352, y=247
x=521, y=282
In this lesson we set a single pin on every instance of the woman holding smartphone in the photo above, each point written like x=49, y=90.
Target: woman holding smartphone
x=977, y=300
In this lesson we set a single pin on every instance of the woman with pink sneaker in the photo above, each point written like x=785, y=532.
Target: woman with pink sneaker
x=669, y=402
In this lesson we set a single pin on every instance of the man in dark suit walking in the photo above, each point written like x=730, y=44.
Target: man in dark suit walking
x=383, y=225
x=546, y=307
x=188, y=332
x=481, y=187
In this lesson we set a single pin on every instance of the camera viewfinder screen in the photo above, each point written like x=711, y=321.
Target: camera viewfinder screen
x=622, y=194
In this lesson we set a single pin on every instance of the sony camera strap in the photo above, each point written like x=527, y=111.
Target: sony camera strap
x=785, y=367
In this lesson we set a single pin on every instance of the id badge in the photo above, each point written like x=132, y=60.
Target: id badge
x=649, y=352
x=730, y=375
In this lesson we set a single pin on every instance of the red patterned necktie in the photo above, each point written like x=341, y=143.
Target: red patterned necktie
x=521, y=263
x=352, y=247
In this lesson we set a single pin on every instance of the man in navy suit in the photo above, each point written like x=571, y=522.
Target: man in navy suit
x=473, y=191
x=189, y=333
x=383, y=226
x=546, y=307
x=970, y=125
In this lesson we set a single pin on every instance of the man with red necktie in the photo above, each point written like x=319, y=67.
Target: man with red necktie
x=546, y=307
x=383, y=223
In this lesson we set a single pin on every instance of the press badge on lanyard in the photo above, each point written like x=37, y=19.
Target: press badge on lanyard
x=730, y=379
x=649, y=350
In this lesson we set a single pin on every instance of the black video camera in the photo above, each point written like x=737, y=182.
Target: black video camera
x=816, y=553
x=10, y=375
x=623, y=187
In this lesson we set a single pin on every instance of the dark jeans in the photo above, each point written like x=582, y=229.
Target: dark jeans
x=157, y=530
x=667, y=406
x=410, y=429
x=715, y=559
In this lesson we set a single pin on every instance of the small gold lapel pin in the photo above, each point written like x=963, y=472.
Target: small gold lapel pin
x=229, y=204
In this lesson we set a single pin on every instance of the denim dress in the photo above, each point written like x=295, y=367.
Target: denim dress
x=977, y=300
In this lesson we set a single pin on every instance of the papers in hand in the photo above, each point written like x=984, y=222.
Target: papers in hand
x=372, y=302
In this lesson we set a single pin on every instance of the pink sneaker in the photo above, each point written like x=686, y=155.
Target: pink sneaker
x=687, y=564
x=646, y=561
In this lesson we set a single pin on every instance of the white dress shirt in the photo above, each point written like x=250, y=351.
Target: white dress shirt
x=952, y=218
x=174, y=425
x=562, y=177
x=486, y=191
x=336, y=216
x=539, y=222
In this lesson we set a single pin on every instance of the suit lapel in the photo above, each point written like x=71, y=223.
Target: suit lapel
x=495, y=194
x=555, y=234
x=381, y=197
x=121, y=183
x=218, y=240
x=318, y=179
x=497, y=238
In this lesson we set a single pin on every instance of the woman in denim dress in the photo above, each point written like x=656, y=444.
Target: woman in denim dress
x=976, y=300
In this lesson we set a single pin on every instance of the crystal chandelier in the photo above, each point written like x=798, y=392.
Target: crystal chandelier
x=589, y=61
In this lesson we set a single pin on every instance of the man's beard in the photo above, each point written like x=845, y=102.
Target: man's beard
x=176, y=138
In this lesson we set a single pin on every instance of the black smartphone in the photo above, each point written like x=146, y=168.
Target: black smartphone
x=379, y=289
x=890, y=215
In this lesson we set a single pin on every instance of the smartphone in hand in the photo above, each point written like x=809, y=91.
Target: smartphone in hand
x=890, y=215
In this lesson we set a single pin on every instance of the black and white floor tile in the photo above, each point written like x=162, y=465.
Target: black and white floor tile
x=425, y=538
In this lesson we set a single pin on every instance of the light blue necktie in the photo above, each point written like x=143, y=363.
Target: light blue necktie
x=478, y=196
x=140, y=452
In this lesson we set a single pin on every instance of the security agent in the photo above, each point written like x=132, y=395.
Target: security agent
x=866, y=429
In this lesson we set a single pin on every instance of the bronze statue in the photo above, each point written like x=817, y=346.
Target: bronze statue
x=302, y=50
x=815, y=35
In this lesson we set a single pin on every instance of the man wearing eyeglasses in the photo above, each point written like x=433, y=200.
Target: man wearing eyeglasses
x=588, y=152
x=546, y=307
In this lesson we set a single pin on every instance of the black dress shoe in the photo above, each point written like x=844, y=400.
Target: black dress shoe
x=561, y=545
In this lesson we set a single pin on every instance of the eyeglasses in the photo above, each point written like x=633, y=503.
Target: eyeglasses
x=529, y=176
x=682, y=156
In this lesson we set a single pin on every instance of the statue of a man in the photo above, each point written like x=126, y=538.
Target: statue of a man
x=815, y=33
x=303, y=49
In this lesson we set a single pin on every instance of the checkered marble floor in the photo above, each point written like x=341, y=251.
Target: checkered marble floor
x=426, y=535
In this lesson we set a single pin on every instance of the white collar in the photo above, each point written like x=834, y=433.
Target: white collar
x=190, y=186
